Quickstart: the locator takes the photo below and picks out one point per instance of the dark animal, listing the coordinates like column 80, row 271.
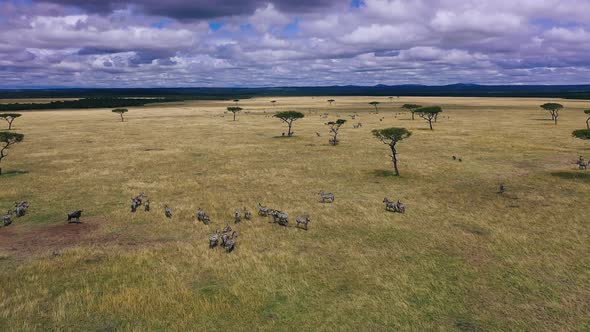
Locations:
column 229, row 245
column 280, row 217
column 20, row 208
column 502, row 189
column 237, row 216
column 167, row 211
column 74, row 216
column 203, row 217
column 303, row 220
column 134, row 205
column 263, row 210
column 247, row 214
column 394, row 206
column 146, row 205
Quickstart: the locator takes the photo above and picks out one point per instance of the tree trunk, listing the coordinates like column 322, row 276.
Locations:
column 10, row 124
column 122, row 120
column 555, row 116
column 289, row 131
column 588, row 123
column 412, row 115
column 430, row 123
column 234, row 116
column 394, row 159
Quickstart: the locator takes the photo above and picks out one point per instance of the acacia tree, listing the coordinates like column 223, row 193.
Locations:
column 375, row 103
column 411, row 108
column 289, row 117
column 390, row 137
column 554, row 109
column 331, row 101
column 429, row 113
column 334, row 128
column 273, row 102
column 8, row 139
column 9, row 117
column 121, row 111
column 587, row 112
column 236, row 101
column 235, row 110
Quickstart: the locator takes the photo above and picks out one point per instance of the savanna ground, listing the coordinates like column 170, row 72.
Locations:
column 462, row 257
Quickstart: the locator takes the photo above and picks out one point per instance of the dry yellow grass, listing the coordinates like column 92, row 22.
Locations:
column 461, row 258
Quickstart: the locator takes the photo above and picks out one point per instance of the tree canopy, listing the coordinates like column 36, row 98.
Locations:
column 412, row 108
column 552, row 106
column 289, row 117
column 393, row 134
column 6, row 140
column 429, row 113
column 581, row 133
column 9, row 117
column 120, row 110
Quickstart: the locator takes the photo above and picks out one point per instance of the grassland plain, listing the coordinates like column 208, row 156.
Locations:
column 462, row 257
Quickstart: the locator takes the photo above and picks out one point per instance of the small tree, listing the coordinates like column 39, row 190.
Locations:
column 391, row 136
column 331, row 101
column 273, row 102
column 375, row 103
column 429, row 113
column 9, row 117
column 412, row 108
column 236, row 101
column 334, row 128
column 8, row 139
column 289, row 117
column 587, row 112
column 554, row 109
column 235, row 110
column 121, row 111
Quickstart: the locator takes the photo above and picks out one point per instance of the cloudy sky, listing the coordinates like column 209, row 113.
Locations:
column 151, row 43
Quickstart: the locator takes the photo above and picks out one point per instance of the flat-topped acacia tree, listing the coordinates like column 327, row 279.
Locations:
column 289, row 117
column 587, row 112
column 411, row 108
column 121, row 112
column 429, row 113
column 334, row 128
column 235, row 110
column 390, row 137
column 7, row 139
column 553, row 109
column 330, row 101
column 9, row 117
column 374, row 104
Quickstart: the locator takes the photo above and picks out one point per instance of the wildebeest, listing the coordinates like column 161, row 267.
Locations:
column 74, row 216
column 303, row 220
column 326, row 197
column 167, row 211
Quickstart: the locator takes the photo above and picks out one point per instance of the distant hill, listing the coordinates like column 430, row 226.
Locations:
column 453, row 90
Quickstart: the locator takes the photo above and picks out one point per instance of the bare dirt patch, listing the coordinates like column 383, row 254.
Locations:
column 25, row 239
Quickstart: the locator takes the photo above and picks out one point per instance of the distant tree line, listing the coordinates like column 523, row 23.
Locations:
column 85, row 103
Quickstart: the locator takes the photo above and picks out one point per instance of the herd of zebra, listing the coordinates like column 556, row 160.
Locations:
column 227, row 236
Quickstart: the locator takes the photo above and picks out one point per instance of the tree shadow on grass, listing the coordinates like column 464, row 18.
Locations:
column 579, row 175
column 13, row 173
column 285, row 137
column 384, row 173
column 543, row 120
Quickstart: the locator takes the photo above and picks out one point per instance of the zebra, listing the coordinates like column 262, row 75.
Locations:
column 226, row 229
column 7, row 219
column 134, row 204
column 167, row 211
column 280, row 217
column 214, row 239
column 202, row 216
column 21, row 208
column 582, row 165
column 146, row 205
column 389, row 204
column 74, row 216
column 394, row 206
column 229, row 245
column 326, row 197
column 303, row 220
column 263, row 210
column 237, row 216
column 247, row 214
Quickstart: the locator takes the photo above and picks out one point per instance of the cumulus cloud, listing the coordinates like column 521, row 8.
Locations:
column 284, row 42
